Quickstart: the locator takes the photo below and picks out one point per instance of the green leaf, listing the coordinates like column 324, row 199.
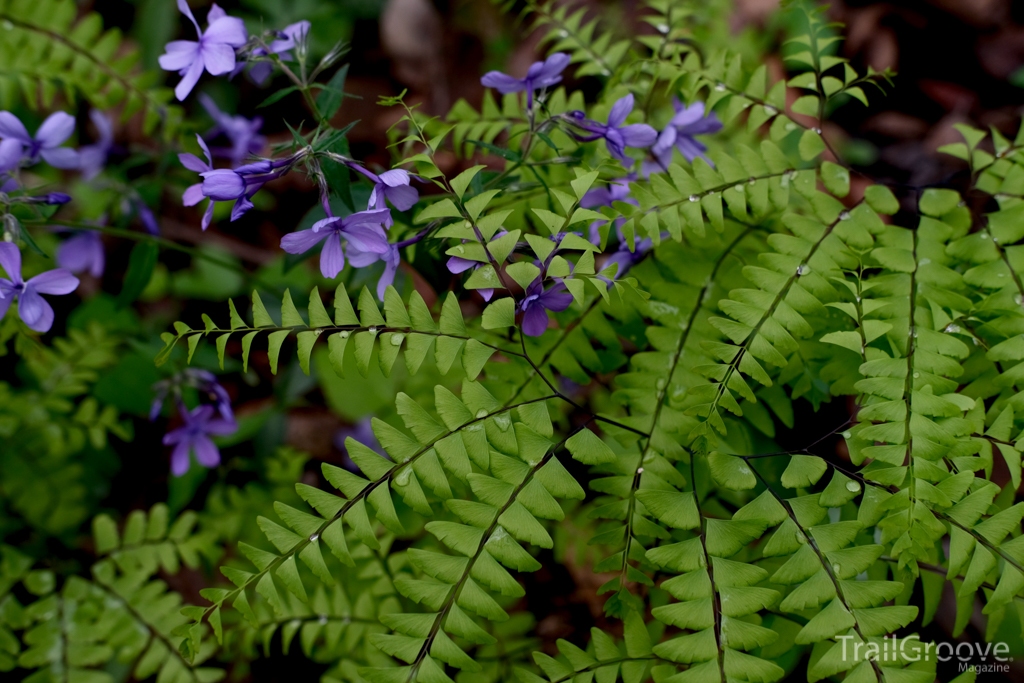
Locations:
column 141, row 263
column 589, row 449
column 499, row 314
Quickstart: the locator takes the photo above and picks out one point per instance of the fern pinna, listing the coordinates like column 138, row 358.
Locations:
column 623, row 343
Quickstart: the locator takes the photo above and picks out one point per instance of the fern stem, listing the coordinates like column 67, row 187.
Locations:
column 457, row 588
column 825, row 564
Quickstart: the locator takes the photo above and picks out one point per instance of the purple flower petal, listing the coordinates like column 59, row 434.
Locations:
column 219, row 58
column 403, row 197
column 10, row 259
column 11, row 153
column 193, row 163
column 191, row 77
column 535, row 321
column 34, row 310
column 82, row 252
column 57, row 128
column 179, row 458
column 184, row 9
column 60, row 157
column 223, row 185
column 638, row 135
column 228, row 31
column 180, row 55
column 550, row 70
column 193, row 195
column 56, row 281
column 6, row 300
column 394, row 177
column 12, row 128
column 206, row 453
column 503, row 83
column 332, row 258
column 620, row 110
column 302, row 241
column 457, row 264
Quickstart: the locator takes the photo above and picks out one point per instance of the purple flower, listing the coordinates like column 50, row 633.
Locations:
column 362, row 230
column 393, row 186
column 92, row 158
column 18, row 145
column 225, row 184
column 214, row 51
column 360, row 258
column 616, row 136
column 457, row 265
column 687, row 122
column 626, row 259
column 242, row 133
column 203, row 381
column 617, row 191
column 146, row 216
column 538, row 302
column 540, row 75
column 33, row 308
column 50, row 199
column 82, row 252
column 286, row 41
column 194, row 436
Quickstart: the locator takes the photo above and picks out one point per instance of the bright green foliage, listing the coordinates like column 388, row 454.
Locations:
column 49, row 51
column 769, row 281
column 633, row 439
column 56, row 435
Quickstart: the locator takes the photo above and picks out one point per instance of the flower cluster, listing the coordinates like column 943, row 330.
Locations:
column 214, row 418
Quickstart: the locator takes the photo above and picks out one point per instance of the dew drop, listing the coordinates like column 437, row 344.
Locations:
column 639, row 470
column 372, row 330
column 1018, row 299
column 975, row 340
column 852, row 486
column 924, row 262
column 844, row 215
column 313, row 538
column 801, row 538
column 397, row 339
column 803, row 269
column 720, row 87
column 461, row 249
column 953, row 329
column 751, row 181
column 662, row 28
column 771, row 110
column 323, row 619
column 563, row 34
column 660, row 384
column 504, row 421
column 738, row 188
column 836, row 568
column 498, row 534
column 817, row 130
column 403, row 477
column 744, row 470
column 694, row 198
column 917, row 375
column 790, row 126
column 846, row 434
column 345, row 334
column 481, row 413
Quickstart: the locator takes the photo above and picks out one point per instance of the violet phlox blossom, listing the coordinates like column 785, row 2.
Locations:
column 625, row 258
column 679, row 134
column 616, row 135
column 92, row 158
column 392, row 186
column 286, row 40
column 363, row 231
column 203, row 381
column 33, row 308
column 194, row 437
column 539, row 75
column 457, row 265
column 538, row 301
column 225, row 184
column 242, row 133
column 82, row 253
column 617, row 191
column 214, row 51
column 16, row 145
